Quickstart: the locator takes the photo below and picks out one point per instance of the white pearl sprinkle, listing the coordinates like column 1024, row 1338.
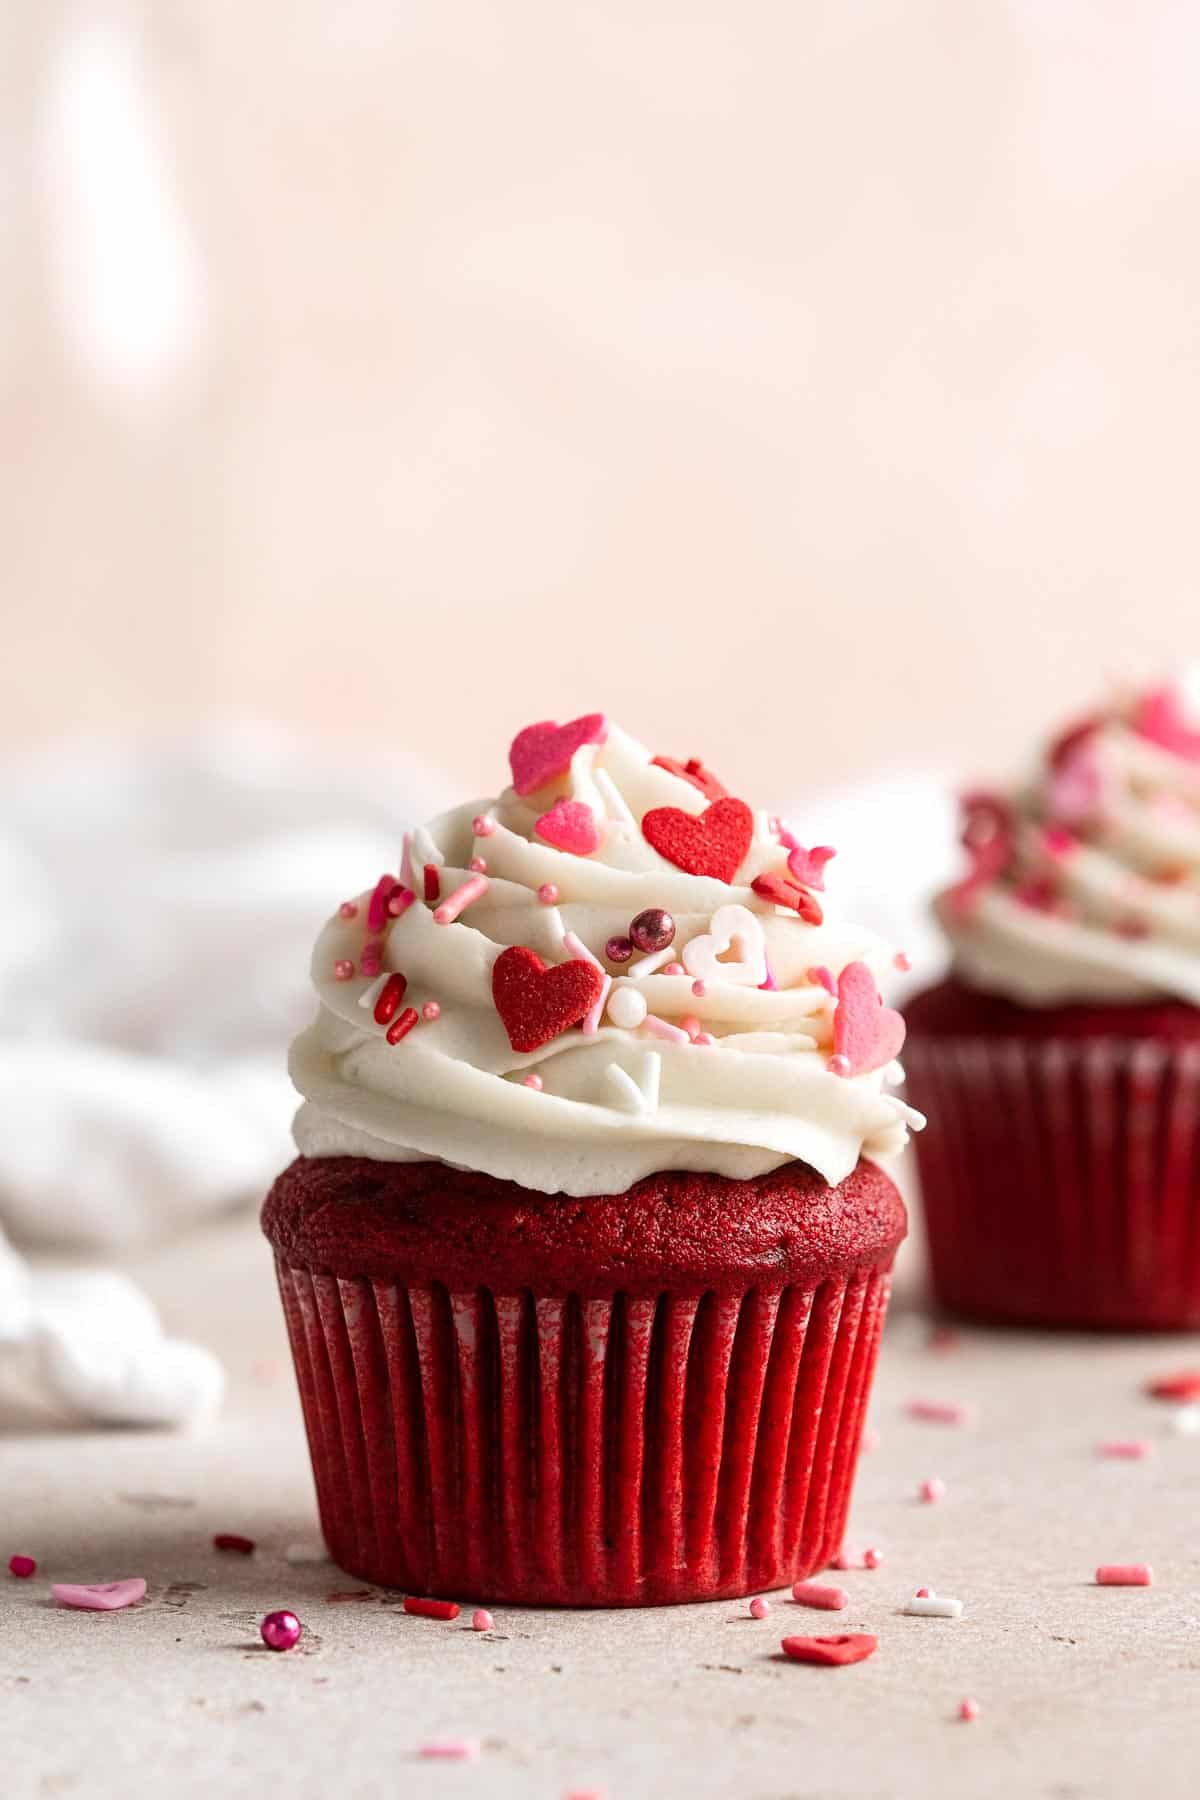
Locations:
column 626, row 1007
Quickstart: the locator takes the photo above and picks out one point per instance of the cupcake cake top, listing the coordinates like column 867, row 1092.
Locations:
column 1084, row 882
column 614, row 968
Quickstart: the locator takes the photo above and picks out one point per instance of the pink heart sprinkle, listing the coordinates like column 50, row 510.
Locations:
column 865, row 1031
column 808, row 866
column 570, row 825
column 103, row 1596
column 544, row 750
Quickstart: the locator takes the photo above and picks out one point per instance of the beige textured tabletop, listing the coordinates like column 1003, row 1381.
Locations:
column 1085, row 1692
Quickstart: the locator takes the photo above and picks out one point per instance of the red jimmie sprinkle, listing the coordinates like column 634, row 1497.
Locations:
column 230, row 1540
column 433, row 883
column 852, row 1647
column 430, row 1609
column 400, row 1028
column 391, row 994
column 1125, row 1575
column 1184, row 1384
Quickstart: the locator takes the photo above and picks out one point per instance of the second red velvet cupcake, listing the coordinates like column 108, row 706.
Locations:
column 583, row 1260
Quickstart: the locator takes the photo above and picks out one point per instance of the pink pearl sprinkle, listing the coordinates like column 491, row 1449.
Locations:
column 839, row 1064
column 1125, row 1575
column 933, row 1489
column 548, row 893
column 816, row 1593
column 872, row 1558
column 482, row 1620
column 343, row 970
column 674, row 968
column 968, row 1710
column 533, row 1081
column 478, row 864
column 431, row 1010
column 923, row 1594
column 483, row 825
column 348, row 909
column 280, row 1630
column 759, row 1608
column 699, row 988
column 1128, row 1449
column 902, row 961
column 22, row 1567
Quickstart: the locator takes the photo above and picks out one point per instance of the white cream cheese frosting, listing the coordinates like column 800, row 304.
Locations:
column 1085, row 880
column 722, row 1052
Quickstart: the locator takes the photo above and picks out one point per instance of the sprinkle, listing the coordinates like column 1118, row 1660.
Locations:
column 968, row 1711
column 348, row 909
column 548, row 893
column 653, row 929
column 816, row 1593
column 839, row 1065
column 768, row 984
column 781, row 890
column 343, row 970
column 808, row 866
column 704, row 1040
column 390, row 996
column 570, row 826
column 22, row 1567
column 1126, row 1449
column 691, row 1024
column 1125, row 1575
column 932, row 1489
column 1185, row 1421
column 649, row 965
column 659, row 1028
column 482, row 1620
column 636, row 1095
column 1183, row 1384
column 851, row 1647
column 103, row 1596
column 759, row 1608
column 432, row 883
column 934, row 1606
column 231, row 1540
column 371, row 958
column 377, row 906
column 820, row 976
column 430, row 1609
column 902, row 961
column 483, row 825
column 281, row 1630
column 431, row 1011
column 699, row 988
column 370, row 995
column 938, row 1412
column 451, row 1750
column 400, row 1028
column 924, row 1593
column 535, row 1082
column 674, row 968
column 459, row 900
column 872, row 1558
column 478, row 865
column 626, row 1007
column 576, row 947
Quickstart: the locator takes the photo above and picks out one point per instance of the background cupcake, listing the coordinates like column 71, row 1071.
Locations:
column 585, row 1258
column 1061, row 1059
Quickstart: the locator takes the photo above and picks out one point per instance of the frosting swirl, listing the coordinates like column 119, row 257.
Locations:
column 728, row 1050
column 1084, row 884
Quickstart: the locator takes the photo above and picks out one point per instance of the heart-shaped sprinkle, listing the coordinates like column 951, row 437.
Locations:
column 849, row 1647
column 102, row 1596
column 733, row 928
column 808, row 866
column 570, row 825
column 538, row 1003
column 782, row 890
column 865, row 1031
column 1161, row 717
column 693, row 770
column 540, row 752
column 714, row 844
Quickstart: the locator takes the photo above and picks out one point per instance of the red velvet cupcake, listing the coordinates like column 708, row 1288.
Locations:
column 585, row 1257
column 1061, row 1061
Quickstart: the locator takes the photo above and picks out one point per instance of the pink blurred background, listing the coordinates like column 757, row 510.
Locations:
column 813, row 385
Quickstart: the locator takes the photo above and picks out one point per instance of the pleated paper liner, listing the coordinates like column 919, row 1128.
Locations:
column 1061, row 1179
column 582, row 1452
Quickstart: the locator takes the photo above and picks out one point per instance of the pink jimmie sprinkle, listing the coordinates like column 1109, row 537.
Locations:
column 102, row 1596
column 816, row 1593
column 372, row 957
column 759, row 1608
column 699, row 988
column 548, row 893
column 483, row 825
column 1125, row 1575
column 482, row 1620
column 348, row 909
column 933, row 1489
column 691, row 1024
column 431, row 1011
column 478, row 865
column 1127, row 1449
column 923, row 1594
column 451, row 1750
column 938, row 1412
column 399, row 901
column 377, row 905
column 968, row 1711
column 343, row 970
column 22, row 1567
column 460, row 899
column 281, row 1630
column 535, row 1082
column 872, row 1558
column 704, row 1040
column 659, row 1028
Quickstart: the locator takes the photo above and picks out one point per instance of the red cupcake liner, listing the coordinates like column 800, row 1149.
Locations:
column 577, row 1451
column 1061, row 1179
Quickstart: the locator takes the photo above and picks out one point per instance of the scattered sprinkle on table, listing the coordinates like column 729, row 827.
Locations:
column 1181, row 1384
column 281, row 1630
column 451, row 1749
column 430, row 1609
column 101, row 1596
column 872, row 1558
column 1124, row 1575
column 759, row 1607
column 1185, row 1421
column 968, row 1710
column 834, row 1652
column 938, row 1412
column 231, row 1540
column 482, row 1620
column 934, row 1606
column 1125, row 1449
column 815, row 1593
column 22, row 1567
column 932, row 1489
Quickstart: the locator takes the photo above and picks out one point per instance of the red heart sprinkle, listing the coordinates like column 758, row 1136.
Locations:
column 865, row 1031
column 781, row 890
column 693, row 770
column 544, row 750
column 538, row 1003
column 713, row 844
column 850, row 1647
